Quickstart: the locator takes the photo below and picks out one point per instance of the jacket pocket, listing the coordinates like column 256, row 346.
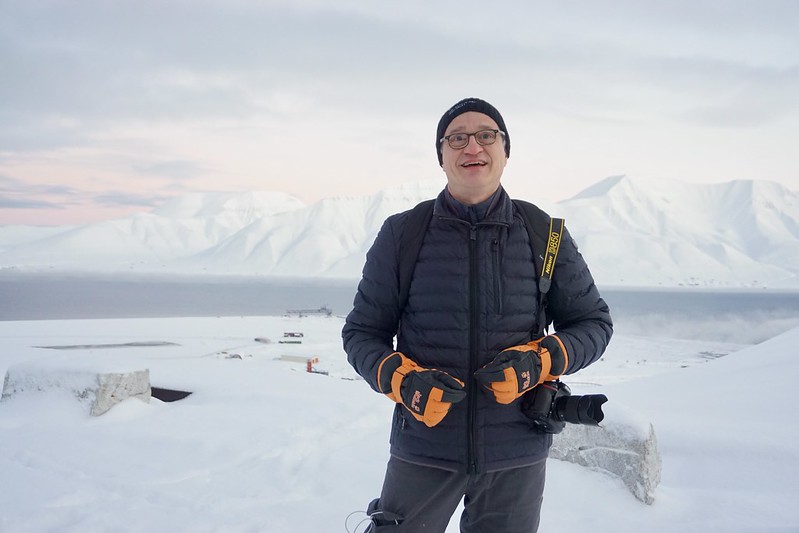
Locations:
column 398, row 424
column 496, row 253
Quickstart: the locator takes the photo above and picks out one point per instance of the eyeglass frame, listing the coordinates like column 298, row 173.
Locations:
column 494, row 131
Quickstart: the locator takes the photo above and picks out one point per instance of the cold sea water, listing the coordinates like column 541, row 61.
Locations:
column 740, row 316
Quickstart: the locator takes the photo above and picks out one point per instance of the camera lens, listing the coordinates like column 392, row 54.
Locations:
column 585, row 409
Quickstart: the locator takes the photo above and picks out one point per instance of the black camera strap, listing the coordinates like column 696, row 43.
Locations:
column 553, row 245
column 544, row 264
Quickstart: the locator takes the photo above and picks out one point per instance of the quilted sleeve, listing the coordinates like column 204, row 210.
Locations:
column 580, row 316
column 370, row 327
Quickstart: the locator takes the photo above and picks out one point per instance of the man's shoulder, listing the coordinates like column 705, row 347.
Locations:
column 419, row 211
column 424, row 204
column 410, row 222
column 532, row 211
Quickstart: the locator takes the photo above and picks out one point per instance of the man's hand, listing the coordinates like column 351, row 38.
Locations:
column 518, row 369
column 427, row 393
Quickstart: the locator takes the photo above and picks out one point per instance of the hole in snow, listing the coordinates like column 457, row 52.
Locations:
column 168, row 395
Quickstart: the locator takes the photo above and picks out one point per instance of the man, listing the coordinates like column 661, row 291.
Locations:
column 466, row 351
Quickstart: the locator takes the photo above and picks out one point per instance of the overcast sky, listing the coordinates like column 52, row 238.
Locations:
column 110, row 107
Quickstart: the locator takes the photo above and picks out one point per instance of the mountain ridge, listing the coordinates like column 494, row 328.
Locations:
column 632, row 231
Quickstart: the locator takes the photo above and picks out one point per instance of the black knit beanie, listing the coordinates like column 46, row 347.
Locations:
column 464, row 106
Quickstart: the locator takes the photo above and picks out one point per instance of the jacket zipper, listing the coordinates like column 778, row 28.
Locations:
column 472, row 466
column 473, row 323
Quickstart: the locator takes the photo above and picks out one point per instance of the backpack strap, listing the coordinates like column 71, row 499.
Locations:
column 545, row 253
column 410, row 244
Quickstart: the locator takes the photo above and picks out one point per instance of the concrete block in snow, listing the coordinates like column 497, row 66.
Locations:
column 98, row 387
column 625, row 446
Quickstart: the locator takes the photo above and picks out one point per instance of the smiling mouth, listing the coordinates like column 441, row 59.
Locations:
column 474, row 164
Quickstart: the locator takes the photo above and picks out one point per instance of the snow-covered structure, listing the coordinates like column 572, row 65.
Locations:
column 99, row 386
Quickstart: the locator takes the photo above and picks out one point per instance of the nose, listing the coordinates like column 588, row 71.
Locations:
column 473, row 147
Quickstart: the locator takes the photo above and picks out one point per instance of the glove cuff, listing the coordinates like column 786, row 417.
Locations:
column 559, row 359
column 390, row 373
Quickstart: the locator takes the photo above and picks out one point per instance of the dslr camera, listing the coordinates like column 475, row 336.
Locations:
column 550, row 406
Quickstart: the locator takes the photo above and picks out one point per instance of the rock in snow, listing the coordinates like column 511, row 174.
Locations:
column 98, row 389
column 624, row 446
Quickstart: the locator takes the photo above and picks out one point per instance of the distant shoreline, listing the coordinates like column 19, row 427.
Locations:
column 745, row 316
column 13, row 273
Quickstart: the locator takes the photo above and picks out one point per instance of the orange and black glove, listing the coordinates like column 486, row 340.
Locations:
column 426, row 393
column 518, row 369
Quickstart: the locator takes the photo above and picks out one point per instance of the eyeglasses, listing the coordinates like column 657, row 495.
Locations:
column 456, row 141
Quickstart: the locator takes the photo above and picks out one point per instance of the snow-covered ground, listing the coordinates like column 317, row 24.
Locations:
column 262, row 445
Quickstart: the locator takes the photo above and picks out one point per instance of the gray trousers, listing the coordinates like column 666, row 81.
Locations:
column 422, row 498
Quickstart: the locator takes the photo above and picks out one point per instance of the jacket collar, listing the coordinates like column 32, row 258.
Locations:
column 496, row 209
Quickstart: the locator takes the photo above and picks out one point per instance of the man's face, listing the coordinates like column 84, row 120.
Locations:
column 473, row 172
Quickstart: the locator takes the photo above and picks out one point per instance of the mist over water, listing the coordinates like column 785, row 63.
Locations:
column 745, row 317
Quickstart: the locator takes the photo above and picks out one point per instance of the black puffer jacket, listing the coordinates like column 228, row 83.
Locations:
column 473, row 293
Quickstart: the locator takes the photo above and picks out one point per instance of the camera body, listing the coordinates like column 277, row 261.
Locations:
column 550, row 406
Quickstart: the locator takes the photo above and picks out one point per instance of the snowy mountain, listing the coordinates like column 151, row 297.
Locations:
column 182, row 227
column 632, row 231
column 729, row 234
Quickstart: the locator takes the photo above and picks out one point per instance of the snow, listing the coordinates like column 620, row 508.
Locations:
column 262, row 445
column 637, row 232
